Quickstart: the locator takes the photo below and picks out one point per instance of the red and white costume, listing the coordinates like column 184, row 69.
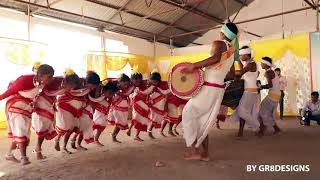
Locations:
column 175, row 107
column 43, row 113
column 22, row 93
column 100, row 115
column 158, row 100
column 119, row 109
column 140, row 107
column 85, row 121
column 69, row 109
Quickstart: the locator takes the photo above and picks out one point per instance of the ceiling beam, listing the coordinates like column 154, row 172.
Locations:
column 81, row 16
column 119, row 10
column 49, row 6
column 241, row 2
column 310, row 4
column 234, row 18
column 194, row 11
column 98, row 20
column 175, row 22
column 246, row 21
column 139, row 15
column 198, row 12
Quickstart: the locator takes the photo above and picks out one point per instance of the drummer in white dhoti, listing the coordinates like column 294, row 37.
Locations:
column 201, row 111
column 248, row 108
column 268, row 107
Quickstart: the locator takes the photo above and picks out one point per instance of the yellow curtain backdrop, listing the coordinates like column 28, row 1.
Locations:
column 101, row 62
column 276, row 48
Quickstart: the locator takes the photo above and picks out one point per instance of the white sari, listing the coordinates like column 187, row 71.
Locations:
column 200, row 112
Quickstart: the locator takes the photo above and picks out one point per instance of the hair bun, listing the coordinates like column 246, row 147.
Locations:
column 69, row 72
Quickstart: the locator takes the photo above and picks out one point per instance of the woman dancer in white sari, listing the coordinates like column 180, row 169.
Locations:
column 201, row 111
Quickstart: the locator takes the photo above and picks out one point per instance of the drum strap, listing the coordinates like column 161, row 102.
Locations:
column 213, row 85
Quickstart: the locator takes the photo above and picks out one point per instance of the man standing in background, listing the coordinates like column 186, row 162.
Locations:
column 283, row 85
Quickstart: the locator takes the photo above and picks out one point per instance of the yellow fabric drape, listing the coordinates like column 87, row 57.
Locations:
column 3, row 123
column 101, row 62
column 23, row 53
column 115, row 63
column 275, row 48
column 18, row 54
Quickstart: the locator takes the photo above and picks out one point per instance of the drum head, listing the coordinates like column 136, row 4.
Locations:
column 183, row 85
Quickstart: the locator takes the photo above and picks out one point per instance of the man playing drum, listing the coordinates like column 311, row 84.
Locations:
column 248, row 108
column 201, row 111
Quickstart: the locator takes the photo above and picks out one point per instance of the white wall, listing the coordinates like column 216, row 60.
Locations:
column 135, row 45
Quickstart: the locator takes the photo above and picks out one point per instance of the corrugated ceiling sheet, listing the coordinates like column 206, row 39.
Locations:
column 126, row 18
column 118, row 3
column 147, row 25
column 98, row 11
column 198, row 22
column 157, row 10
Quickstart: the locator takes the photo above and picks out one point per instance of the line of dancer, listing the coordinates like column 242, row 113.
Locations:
column 61, row 107
column 81, row 108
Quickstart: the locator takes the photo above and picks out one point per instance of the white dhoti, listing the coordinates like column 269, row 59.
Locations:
column 65, row 121
column 43, row 118
column 200, row 114
column 140, row 115
column 268, row 112
column 119, row 114
column 43, row 126
column 85, row 127
column 157, row 109
column 99, row 120
column 19, row 122
column 248, row 110
column 20, row 127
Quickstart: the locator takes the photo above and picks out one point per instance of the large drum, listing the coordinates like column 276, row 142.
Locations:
column 185, row 86
column 233, row 93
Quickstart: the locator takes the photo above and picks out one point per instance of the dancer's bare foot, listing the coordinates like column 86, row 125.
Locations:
column 129, row 133
column 25, row 161
column 73, row 144
column 192, row 156
column 65, row 150
column 151, row 135
column 81, row 148
column 176, row 132
column 114, row 139
column 163, row 134
column 12, row 158
column 277, row 131
column 240, row 134
column 57, row 145
column 205, row 158
column 98, row 143
column 137, row 138
column 39, row 155
column 171, row 133
column 218, row 125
